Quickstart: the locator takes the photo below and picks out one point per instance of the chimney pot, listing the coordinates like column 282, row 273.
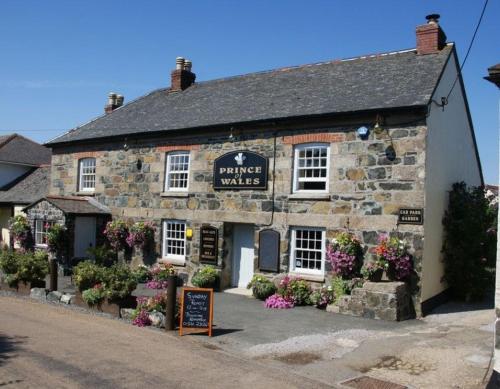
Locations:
column 114, row 101
column 188, row 65
column 430, row 37
column 179, row 63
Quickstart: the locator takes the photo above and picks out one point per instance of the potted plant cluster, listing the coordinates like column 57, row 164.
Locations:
column 261, row 287
column 24, row 270
column 105, row 289
column 393, row 256
column 152, row 311
column 291, row 292
column 141, row 235
column 116, row 232
column 345, row 255
column 206, row 277
column 20, row 230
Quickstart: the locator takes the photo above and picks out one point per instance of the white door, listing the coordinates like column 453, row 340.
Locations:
column 84, row 235
column 243, row 254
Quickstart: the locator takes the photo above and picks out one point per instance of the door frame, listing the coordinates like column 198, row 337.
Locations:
column 75, row 237
column 233, row 253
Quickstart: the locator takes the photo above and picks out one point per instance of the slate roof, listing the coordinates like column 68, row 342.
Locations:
column 400, row 79
column 75, row 205
column 27, row 188
column 16, row 148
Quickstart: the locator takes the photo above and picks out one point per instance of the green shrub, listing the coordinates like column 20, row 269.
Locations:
column 9, row 263
column 206, row 277
column 94, row 296
column 87, row 274
column 141, row 274
column 261, row 287
column 295, row 289
column 102, row 255
column 119, row 282
column 33, row 266
column 339, row 287
column 469, row 243
column 322, row 297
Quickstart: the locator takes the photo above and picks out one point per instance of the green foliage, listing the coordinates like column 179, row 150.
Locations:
column 119, row 282
column 469, row 243
column 206, row 277
column 94, row 296
column 141, row 274
column 339, row 287
column 25, row 266
column 57, row 239
column 296, row 290
column 9, row 261
column 103, row 255
column 261, row 287
column 87, row 274
column 20, row 230
column 322, row 297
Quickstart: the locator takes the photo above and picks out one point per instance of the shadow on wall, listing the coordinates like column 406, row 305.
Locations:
column 459, row 306
column 8, row 346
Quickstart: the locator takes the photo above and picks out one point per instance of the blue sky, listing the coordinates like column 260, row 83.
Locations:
column 59, row 59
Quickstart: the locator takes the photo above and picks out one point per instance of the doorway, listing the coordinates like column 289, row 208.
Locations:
column 85, row 231
column 243, row 255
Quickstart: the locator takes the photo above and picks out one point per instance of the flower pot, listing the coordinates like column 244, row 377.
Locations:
column 376, row 276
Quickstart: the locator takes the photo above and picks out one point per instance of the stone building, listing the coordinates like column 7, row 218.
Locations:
column 256, row 173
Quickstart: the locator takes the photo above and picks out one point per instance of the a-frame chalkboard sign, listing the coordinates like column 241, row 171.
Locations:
column 197, row 310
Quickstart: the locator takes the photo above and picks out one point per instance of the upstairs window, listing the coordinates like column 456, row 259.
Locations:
column 177, row 172
column 311, row 166
column 86, row 167
column 41, row 228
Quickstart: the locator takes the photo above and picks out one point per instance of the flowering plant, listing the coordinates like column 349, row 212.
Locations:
column 295, row 289
column 261, row 287
column 393, row 252
column 94, row 295
column 372, row 269
column 116, row 232
column 141, row 234
column 21, row 231
column 142, row 319
column 158, row 276
column 323, row 297
column 345, row 254
column 147, row 305
column 278, row 302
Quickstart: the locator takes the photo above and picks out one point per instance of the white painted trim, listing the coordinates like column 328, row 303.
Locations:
column 306, row 272
column 167, row 171
column 174, row 259
column 295, row 168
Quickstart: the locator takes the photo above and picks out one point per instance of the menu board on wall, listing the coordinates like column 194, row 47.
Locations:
column 209, row 239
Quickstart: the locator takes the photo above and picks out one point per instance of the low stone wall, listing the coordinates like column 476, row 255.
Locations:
column 379, row 300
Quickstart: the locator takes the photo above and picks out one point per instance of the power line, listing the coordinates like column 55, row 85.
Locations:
column 469, row 49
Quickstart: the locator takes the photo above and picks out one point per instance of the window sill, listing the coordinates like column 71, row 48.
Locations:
column 177, row 262
column 309, row 277
column 309, row 196
column 174, row 194
column 83, row 193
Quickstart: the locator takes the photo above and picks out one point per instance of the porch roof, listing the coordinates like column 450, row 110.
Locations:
column 75, row 205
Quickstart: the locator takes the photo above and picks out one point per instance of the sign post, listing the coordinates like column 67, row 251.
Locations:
column 196, row 310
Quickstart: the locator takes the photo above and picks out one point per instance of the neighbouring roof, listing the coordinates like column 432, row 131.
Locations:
column 399, row 79
column 27, row 188
column 17, row 149
column 75, row 205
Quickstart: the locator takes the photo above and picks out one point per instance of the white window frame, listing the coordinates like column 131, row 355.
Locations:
column 169, row 171
column 81, row 174
column 293, row 247
column 296, row 178
column 173, row 258
column 42, row 232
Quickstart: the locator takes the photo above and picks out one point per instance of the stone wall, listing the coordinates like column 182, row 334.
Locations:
column 366, row 188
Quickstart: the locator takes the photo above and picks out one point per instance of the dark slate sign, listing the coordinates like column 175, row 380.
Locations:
column 269, row 251
column 411, row 216
column 209, row 238
column 196, row 310
column 240, row 170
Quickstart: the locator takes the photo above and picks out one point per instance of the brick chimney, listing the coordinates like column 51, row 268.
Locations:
column 430, row 37
column 182, row 77
column 114, row 101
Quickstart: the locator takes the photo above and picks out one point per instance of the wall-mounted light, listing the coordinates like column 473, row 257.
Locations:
column 231, row 136
column 189, row 233
column 363, row 132
column 139, row 164
column 377, row 128
column 125, row 145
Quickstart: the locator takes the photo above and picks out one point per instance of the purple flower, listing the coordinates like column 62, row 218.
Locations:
column 278, row 302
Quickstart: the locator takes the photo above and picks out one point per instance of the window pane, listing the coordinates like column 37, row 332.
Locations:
column 308, row 253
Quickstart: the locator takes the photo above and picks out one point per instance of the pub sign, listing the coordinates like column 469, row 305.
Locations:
column 209, row 239
column 240, row 170
column 411, row 216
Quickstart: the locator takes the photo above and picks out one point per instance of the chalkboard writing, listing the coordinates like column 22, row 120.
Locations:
column 209, row 239
column 196, row 310
column 269, row 250
column 411, row 216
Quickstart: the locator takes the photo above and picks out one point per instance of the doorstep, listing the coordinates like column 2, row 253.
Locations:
column 239, row 291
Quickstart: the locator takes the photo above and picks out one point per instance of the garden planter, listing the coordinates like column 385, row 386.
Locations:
column 111, row 307
column 22, row 288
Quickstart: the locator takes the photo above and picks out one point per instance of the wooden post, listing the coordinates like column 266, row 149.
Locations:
column 53, row 274
column 171, row 302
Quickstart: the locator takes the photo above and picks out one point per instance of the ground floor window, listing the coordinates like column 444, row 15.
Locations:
column 308, row 250
column 41, row 228
column 174, row 240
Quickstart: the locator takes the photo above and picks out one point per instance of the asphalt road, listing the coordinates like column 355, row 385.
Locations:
column 47, row 346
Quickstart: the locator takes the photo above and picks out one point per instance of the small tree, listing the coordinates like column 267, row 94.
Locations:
column 469, row 243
